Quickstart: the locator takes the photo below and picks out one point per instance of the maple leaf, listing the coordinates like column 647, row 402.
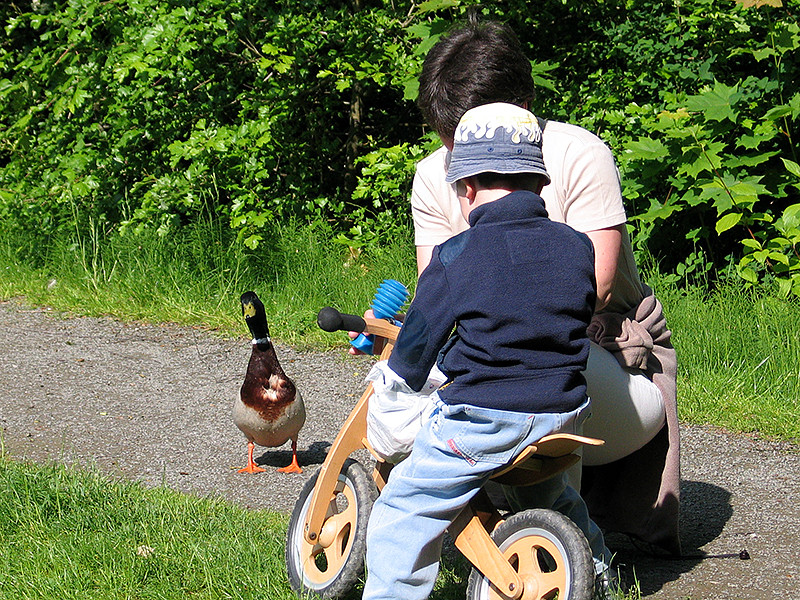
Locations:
column 716, row 104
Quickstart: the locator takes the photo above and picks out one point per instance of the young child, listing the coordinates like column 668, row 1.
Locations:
column 502, row 309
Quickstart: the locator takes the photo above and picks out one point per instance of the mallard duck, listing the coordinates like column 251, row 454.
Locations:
column 269, row 409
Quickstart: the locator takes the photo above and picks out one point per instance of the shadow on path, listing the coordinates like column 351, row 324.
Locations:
column 705, row 510
column 280, row 457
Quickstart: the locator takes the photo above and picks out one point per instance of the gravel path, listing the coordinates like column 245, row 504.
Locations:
column 152, row 403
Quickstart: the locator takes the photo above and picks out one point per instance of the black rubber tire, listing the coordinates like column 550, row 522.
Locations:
column 530, row 539
column 308, row 565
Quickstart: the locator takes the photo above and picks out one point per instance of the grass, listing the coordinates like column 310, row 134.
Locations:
column 739, row 359
column 72, row 533
column 196, row 276
column 69, row 533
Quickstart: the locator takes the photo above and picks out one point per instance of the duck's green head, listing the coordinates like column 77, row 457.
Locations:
column 254, row 315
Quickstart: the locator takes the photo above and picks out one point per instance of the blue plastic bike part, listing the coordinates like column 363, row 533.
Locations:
column 388, row 300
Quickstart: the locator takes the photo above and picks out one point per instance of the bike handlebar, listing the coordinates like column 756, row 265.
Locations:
column 329, row 319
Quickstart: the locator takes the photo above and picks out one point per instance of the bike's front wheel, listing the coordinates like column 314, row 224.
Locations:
column 548, row 551
column 332, row 566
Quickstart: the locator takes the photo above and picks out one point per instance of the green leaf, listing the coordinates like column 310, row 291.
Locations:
column 748, row 160
column 5, row 86
column 748, row 274
column 656, row 213
column 751, row 243
column 694, row 234
column 747, row 191
column 791, row 166
column 646, row 148
column 541, row 74
column 717, row 103
column 751, row 142
column 779, row 242
column 22, row 123
column 410, row 88
column 763, row 53
column 784, row 287
column 692, row 198
column 252, row 241
column 787, row 38
column 778, row 112
column 728, row 191
column 779, row 257
column 706, row 157
column 420, row 30
column 429, row 33
column 434, row 5
column 728, row 221
column 795, row 104
column 761, row 255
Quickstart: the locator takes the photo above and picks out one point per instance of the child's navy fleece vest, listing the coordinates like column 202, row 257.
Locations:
column 516, row 291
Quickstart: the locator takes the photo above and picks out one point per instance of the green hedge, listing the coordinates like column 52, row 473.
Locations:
column 119, row 116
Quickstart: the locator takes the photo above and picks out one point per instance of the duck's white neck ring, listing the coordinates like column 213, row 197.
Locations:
column 264, row 340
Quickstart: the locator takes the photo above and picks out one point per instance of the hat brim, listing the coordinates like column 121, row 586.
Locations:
column 474, row 163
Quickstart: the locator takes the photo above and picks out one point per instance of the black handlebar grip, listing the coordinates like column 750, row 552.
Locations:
column 330, row 319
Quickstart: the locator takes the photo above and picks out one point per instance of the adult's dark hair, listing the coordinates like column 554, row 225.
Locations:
column 475, row 63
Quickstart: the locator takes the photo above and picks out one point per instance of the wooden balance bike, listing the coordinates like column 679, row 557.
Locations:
column 531, row 555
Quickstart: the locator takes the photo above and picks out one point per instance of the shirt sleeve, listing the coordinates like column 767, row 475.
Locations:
column 592, row 194
column 426, row 327
column 430, row 223
column 434, row 203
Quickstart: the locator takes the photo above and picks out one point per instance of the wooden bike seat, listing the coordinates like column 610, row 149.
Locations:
column 547, row 457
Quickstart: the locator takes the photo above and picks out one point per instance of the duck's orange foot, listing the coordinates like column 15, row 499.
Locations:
column 254, row 468
column 292, row 468
column 251, row 467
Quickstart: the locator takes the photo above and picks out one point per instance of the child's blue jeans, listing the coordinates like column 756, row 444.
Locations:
column 454, row 454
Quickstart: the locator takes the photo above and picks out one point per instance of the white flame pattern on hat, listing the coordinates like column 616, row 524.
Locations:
column 484, row 121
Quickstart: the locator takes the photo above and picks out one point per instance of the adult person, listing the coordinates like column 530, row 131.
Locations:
column 631, row 484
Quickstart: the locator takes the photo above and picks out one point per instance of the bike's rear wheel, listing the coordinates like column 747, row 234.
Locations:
column 548, row 551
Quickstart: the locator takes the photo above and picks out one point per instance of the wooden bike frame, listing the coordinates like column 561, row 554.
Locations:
column 472, row 528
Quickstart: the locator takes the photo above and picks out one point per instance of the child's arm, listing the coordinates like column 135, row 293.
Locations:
column 426, row 327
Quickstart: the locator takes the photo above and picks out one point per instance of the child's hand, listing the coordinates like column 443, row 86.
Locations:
column 379, row 341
